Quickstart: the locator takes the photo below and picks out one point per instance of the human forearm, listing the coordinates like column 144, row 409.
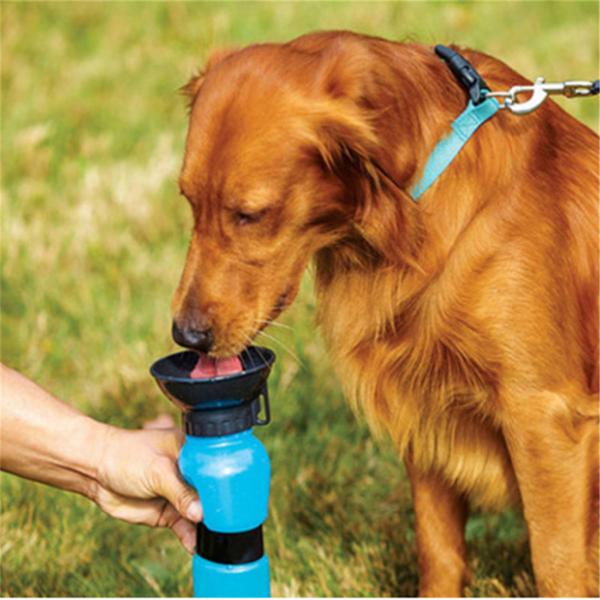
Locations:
column 44, row 439
column 130, row 474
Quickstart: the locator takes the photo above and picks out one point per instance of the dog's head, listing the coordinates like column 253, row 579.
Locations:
column 280, row 163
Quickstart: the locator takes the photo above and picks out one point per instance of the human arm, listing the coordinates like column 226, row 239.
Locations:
column 131, row 474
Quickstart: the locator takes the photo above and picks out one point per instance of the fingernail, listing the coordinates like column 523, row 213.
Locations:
column 194, row 511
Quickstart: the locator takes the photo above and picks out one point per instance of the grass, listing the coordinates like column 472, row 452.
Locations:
column 94, row 236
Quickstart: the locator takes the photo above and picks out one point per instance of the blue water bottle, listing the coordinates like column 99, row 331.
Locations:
column 228, row 466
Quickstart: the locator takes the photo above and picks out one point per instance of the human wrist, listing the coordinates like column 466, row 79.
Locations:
column 106, row 445
column 89, row 439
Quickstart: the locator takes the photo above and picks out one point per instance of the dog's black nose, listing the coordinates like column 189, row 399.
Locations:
column 192, row 338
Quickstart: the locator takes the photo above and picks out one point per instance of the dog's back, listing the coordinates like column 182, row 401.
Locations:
column 571, row 180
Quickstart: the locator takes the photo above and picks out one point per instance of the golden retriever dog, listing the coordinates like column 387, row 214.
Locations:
column 464, row 326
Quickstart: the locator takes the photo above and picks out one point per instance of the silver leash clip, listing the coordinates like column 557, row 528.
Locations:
column 539, row 91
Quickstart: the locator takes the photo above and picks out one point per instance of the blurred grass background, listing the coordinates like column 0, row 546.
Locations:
column 93, row 240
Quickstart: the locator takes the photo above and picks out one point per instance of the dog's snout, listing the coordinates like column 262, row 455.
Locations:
column 189, row 337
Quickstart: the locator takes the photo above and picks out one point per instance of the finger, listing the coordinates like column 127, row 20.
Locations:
column 156, row 512
column 186, row 532
column 169, row 485
column 169, row 441
column 163, row 421
column 132, row 510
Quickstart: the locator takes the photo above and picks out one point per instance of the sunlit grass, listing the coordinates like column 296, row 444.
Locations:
column 93, row 240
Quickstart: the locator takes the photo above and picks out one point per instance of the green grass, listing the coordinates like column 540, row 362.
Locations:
column 94, row 236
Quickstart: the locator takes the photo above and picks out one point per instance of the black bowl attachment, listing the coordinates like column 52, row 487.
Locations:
column 218, row 405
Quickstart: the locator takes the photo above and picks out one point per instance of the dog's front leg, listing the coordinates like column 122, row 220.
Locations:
column 554, row 450
column 440, row 516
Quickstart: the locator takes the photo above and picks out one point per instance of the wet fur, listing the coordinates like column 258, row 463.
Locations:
column 466, row 326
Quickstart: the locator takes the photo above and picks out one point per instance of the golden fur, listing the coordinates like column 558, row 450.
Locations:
column 464, row 326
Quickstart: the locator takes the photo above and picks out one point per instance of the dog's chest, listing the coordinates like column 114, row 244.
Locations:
column 432, row 394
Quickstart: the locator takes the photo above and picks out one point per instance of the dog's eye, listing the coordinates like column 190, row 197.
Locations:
column 249, row 218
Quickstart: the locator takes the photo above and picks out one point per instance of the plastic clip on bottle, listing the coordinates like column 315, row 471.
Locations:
column 228, row 465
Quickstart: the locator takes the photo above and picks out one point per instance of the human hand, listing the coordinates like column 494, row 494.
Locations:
column 131, row 474
column 138, row 480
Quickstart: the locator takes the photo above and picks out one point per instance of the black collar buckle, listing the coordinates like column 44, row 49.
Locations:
column 464, row 72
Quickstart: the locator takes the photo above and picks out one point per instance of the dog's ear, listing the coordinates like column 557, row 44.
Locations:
column 349, row 149
column 352, row 146
column 192, row 87
column 345, row 139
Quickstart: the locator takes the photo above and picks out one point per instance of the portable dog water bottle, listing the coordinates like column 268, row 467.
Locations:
column 228, row 465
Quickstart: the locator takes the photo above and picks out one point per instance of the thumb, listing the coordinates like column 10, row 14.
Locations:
column 183, row 497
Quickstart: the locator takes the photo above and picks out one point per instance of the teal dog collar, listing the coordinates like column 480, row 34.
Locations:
column 463, row 127
column 479, row 110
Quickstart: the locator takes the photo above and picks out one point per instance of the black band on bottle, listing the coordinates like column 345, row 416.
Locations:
column 230, row 548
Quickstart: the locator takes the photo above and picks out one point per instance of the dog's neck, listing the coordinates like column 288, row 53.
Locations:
column 409, row 243
column 413, row 102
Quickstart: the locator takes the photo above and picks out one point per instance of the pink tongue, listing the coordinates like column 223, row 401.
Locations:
column 211, row 367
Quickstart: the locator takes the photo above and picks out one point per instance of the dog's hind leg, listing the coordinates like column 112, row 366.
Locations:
column 553, row 443
column 440, row 516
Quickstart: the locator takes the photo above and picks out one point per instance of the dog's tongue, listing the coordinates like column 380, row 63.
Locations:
column 211, row 367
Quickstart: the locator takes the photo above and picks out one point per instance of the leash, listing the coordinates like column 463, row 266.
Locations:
column 482, row 105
